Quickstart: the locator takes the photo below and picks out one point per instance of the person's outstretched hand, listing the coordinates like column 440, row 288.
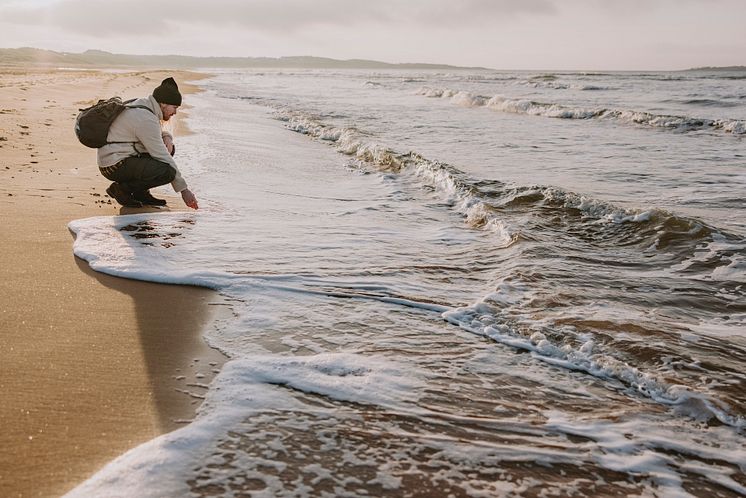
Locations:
column 189, row 198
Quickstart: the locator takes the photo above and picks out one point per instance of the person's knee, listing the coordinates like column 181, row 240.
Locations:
column 148, row 172
column 166, row 173
column 169, row 175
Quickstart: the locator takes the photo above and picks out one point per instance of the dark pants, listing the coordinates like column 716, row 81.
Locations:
column 141, row 173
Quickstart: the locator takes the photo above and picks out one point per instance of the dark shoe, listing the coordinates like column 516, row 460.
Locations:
column 123, row 197
column 148, row 199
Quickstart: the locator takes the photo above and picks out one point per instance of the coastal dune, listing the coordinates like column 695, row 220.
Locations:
column 90, row 365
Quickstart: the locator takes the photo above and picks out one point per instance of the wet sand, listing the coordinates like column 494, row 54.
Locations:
column 90, row 365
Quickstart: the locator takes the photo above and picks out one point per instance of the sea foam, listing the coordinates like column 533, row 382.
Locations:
column 247, row 387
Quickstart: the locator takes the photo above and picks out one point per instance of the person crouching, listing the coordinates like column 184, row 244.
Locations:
column 139, row 154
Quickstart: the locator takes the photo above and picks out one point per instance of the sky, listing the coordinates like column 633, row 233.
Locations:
column 499, row 34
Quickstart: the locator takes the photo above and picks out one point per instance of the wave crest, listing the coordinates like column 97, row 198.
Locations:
column 553, row 110
column 487, row 204
column 490, row 317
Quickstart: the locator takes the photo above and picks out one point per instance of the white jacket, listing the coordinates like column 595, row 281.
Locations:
column 141, row 129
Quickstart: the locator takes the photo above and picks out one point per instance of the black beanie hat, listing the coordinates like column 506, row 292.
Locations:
column 167, row 92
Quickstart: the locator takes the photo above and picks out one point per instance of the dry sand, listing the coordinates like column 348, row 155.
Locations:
column 90, row 365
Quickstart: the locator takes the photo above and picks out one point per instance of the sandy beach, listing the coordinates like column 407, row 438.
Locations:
column 90, row 365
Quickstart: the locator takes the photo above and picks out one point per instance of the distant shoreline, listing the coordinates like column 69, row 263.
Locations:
column 98, row 58
column 26, row 56
column 718, row 68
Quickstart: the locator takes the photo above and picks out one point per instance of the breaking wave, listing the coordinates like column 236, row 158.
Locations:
column 557, row 85
column 491, row 317
column 485, row 204
column 465, row 199
column 702, row 102
column 550, row 110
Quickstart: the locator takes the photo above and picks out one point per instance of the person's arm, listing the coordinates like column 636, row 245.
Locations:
column 186, row 194
column 148, row 133
column 168, row 141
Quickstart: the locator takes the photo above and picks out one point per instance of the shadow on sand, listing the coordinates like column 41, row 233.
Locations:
column 170, row 321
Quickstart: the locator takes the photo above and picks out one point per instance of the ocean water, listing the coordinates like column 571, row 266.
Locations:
column 473, row 283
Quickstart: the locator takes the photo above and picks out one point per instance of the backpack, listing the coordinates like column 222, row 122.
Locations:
column 93, row 123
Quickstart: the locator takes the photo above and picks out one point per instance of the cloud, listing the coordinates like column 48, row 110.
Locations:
column 587, row 34
column 115, row 17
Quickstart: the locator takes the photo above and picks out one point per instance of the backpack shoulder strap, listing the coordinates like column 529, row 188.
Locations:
column 140, row 107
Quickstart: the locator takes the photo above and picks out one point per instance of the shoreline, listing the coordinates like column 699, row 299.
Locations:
column 91, row 365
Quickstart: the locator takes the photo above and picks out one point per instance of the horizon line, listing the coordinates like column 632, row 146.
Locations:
column 432, row 65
